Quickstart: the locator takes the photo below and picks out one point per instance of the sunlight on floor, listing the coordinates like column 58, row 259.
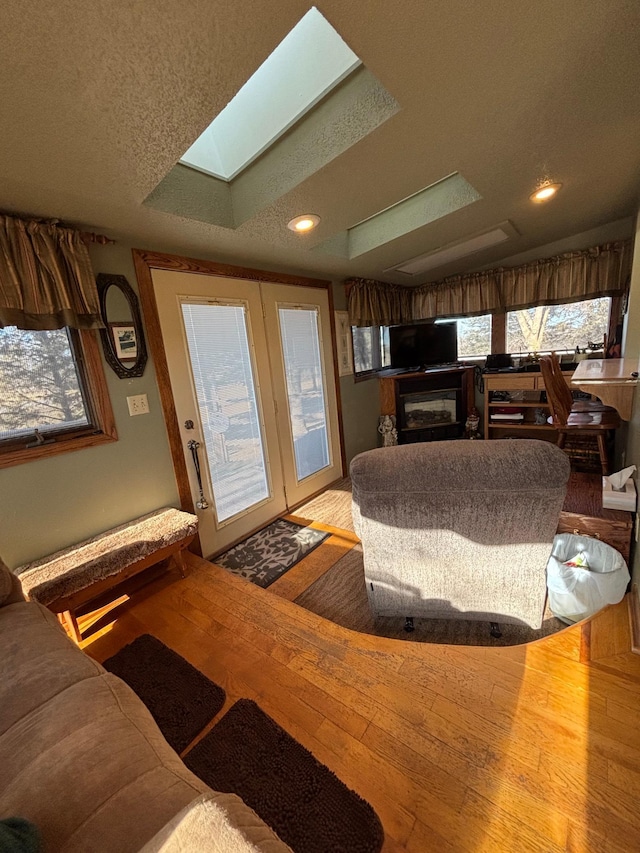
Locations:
column 550, row 715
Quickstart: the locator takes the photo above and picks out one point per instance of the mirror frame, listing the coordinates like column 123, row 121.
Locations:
column 104, row 282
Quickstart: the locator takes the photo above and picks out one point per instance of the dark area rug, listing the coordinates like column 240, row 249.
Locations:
column 340, row 595
column 181, row 699
column 248, row 754
column 266, row 555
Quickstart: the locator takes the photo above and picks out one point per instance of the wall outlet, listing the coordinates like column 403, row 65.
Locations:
column 138, row 405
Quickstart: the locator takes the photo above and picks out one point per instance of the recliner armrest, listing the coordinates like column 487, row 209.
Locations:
column 10, row 586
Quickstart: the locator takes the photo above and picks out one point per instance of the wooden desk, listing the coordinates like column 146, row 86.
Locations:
column 610, row 380
column 532, row 384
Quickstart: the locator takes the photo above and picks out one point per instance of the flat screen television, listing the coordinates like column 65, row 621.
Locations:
column 423, row 344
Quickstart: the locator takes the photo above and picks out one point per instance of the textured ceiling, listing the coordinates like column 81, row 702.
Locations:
column 99, row 100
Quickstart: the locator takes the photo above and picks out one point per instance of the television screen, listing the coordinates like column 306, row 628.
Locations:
column 423, row 344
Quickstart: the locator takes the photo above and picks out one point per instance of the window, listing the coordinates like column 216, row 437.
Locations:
column 474, row 336
column 370, row 348
column 558, row 327
column 53, row 394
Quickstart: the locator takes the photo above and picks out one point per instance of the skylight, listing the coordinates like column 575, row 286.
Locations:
column 307, row 64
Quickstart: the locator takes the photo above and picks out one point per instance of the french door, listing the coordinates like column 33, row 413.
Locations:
column 251, row 370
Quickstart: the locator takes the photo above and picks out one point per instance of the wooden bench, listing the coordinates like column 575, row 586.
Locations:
column 71, row 578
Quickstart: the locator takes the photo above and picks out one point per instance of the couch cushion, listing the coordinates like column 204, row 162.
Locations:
column 90, row 768
column 216, row 823
column 10, row 587
column 38, row 661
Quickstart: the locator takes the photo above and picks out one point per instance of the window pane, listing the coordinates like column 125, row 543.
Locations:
column 364, row 348
column 39, row 383
column 474, row 336
column 558, row 327
column 385, row 360
column 223, row 376
column 370, row 348
column 305, row 388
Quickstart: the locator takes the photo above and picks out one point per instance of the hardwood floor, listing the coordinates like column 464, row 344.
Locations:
column 527, row 748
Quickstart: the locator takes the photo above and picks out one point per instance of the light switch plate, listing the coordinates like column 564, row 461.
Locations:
column 138, row 405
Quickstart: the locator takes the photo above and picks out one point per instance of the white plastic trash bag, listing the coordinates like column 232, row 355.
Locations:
column 576, row 592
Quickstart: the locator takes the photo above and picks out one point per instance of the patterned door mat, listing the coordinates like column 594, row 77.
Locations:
column 266, row 555
column 247, row 753
column 181, row 699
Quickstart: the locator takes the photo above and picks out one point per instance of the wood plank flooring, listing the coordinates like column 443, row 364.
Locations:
column 525, row 748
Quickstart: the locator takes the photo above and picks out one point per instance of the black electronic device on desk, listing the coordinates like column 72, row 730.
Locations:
column 498, row 363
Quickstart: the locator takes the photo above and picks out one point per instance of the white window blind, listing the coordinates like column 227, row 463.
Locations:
column 300, row 337
column 218, row 343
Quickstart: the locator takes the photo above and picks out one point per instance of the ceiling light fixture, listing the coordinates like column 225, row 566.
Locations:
column 304, row 223
column 455, row 251
column 544, row 193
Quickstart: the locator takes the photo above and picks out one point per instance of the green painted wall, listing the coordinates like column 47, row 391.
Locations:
column 360, row 402
column 51, row 503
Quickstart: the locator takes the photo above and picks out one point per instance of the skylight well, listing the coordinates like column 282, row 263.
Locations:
column 308, row 103
column 307, row 64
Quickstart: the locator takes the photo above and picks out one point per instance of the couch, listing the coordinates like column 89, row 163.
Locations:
column 82, row 758
column 459, row 529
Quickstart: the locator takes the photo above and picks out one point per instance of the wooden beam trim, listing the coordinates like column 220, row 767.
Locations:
column 177, row 263
column 156, row 345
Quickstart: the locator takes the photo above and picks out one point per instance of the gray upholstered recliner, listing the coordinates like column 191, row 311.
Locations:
column 459, row 529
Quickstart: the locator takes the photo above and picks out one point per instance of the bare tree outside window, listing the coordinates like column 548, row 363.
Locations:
column 558, row 327
column 370, row 348
column 39, row 383
column 474, row 336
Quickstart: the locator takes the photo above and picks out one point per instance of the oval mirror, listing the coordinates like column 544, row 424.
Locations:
column 123, row 336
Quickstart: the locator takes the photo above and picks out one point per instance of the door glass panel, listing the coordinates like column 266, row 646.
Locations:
column 300, row 337
column 220, row 357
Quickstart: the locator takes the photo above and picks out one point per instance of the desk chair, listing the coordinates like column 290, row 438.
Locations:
column 588, row 419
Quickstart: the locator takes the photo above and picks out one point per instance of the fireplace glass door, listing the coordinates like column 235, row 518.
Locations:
column 430, row 415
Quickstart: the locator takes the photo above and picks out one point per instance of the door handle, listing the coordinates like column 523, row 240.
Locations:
column 193, row 446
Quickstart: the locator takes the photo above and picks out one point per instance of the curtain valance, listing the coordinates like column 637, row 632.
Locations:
column 46, row 279
column 374, row 303
column 458, row 296
column 599, row 271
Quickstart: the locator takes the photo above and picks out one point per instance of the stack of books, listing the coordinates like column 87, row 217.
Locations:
column 507, row 415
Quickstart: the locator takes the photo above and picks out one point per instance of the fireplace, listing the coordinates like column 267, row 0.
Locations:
column 430, row 415
column 428, row 405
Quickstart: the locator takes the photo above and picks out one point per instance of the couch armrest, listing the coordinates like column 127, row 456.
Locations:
column 10, row 587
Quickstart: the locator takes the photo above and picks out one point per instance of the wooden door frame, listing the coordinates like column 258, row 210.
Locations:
column 146, row 261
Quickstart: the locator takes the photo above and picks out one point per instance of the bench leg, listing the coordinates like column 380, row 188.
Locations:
column 180, row 562
column 72, row 624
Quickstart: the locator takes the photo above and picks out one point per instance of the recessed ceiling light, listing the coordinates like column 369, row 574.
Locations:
column 544, row 193
column 304, row 223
